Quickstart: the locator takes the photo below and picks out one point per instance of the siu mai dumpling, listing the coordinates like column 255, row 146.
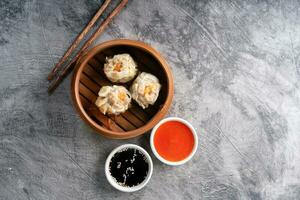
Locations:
column 120, row 69
column 145, row 89
column 113, row 99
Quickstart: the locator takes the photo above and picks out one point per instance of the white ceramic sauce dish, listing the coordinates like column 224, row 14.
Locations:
column 111, row 179
column 174, row 163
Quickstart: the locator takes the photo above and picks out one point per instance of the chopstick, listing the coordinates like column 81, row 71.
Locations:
column 53, row 85
column 77, row 40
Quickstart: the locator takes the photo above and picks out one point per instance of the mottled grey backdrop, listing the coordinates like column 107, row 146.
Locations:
column 236, row 66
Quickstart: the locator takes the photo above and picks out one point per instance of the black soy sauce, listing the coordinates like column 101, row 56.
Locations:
column 129, row 167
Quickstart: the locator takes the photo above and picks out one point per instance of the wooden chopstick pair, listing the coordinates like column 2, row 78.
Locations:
column 69, row 65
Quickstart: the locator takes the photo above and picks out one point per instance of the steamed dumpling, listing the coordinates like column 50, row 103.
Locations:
column 145, row 89
column 120, row 69
column 113, row 99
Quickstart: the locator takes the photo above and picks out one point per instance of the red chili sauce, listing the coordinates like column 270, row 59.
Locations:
column 174, row 141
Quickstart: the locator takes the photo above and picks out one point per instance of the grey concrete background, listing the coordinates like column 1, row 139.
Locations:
column 236, row 66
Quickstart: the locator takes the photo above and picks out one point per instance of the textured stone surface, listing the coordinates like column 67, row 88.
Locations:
column 236, row 66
